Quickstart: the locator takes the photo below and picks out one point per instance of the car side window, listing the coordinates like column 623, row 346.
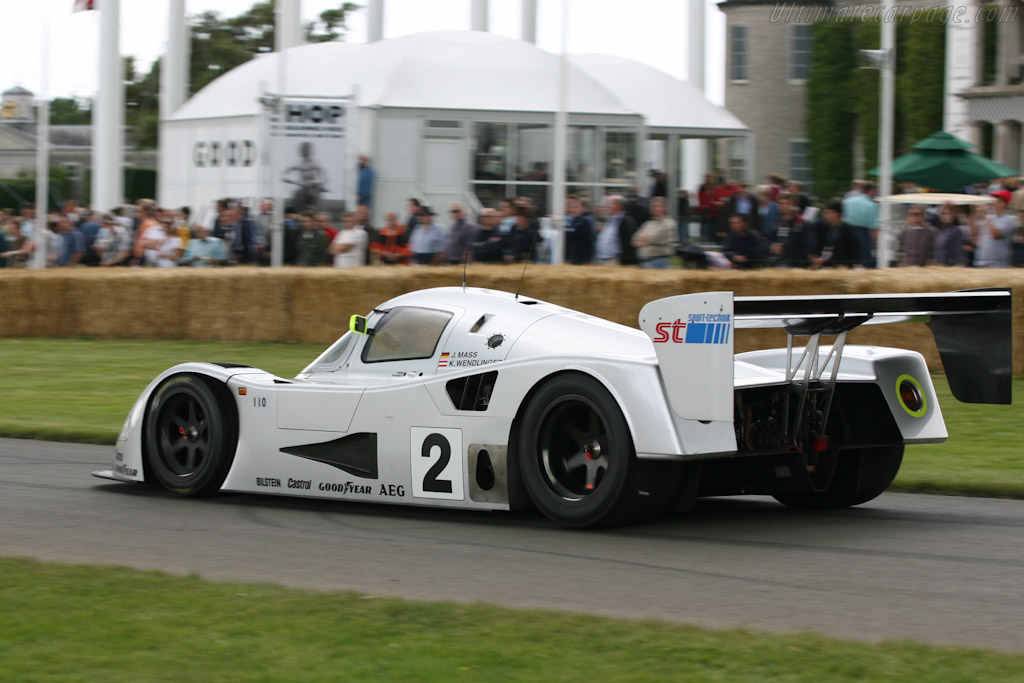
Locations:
column 405, row 333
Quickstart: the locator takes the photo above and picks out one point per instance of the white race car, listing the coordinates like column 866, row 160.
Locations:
column 470, row 398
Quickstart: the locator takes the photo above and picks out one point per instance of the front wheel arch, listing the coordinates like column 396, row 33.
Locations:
column 224, row 405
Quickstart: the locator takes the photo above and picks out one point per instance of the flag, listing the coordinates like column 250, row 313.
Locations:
column 84, row 5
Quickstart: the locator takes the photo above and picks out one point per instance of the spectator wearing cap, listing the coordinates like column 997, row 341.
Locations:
column 427, row 239
column 995, row 235
column 459, row 241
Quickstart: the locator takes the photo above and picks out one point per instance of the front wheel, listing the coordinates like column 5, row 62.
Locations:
column 190, row 435
column 577, row 459
column 860, row 476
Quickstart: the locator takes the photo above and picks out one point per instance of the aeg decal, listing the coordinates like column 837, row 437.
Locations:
column 700, row 328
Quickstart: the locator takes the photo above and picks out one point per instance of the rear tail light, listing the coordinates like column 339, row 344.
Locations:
column 911, row 395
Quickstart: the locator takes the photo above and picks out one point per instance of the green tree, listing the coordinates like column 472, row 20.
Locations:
column 921, row 83
column 831, row 107
column 218, row 44
column 867, row 36
column 70, row 111
column 142, row 103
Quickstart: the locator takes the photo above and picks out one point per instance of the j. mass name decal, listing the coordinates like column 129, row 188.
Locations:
column 463, row 359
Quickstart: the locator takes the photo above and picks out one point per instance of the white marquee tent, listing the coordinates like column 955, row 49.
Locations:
column 445, row 116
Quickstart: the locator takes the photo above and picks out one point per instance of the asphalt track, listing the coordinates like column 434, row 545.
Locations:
column 937, row 569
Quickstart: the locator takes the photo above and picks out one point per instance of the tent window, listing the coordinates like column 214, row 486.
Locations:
column 533, row 151
column 620, row 156
column 490, row 151
column 440, row 123
column 581, row 159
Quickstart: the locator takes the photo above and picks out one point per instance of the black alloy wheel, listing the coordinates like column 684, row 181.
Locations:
column 190, row 435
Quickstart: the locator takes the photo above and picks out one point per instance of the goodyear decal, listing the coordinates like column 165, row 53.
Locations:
column 699, row 328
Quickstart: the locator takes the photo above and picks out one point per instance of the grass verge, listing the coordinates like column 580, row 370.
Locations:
column 81, row 390
column 71, row 623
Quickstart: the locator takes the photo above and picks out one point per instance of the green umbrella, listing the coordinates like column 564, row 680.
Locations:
column 942, row 141
column 942, row 162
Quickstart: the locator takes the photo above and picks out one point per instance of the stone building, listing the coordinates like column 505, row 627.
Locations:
column 768, row 50
column 767, row 62
column 987, row 109
column 70, row 146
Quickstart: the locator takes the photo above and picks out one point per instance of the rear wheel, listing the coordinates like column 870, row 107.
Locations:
column 190, row 435
column 577, row 459
column 860, row 476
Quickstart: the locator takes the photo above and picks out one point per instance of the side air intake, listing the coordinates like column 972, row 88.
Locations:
column 472, row 392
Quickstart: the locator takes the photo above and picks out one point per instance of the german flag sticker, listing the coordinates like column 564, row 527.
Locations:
column 443, row 363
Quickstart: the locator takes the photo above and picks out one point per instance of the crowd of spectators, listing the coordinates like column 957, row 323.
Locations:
column 773, row 225
column 780, row 226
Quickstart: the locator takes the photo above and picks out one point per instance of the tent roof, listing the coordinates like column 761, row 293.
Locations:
column 461, row 70
column 665, row 101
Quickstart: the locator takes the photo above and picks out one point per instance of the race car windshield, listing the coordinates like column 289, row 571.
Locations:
column 406, row 333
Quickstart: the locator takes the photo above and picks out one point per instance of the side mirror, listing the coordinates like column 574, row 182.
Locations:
column 357, row 324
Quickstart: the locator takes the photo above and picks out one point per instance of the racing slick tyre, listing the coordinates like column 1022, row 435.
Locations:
column 190, row 435
column 860, row 477
column 577, row 460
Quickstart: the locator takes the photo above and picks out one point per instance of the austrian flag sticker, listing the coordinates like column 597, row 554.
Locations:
column 443, row 363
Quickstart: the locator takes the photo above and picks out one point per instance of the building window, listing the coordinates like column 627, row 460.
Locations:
column 737, row 159
column 800, row 60
column 799, row 162
column 738, row 53
column 490, row 151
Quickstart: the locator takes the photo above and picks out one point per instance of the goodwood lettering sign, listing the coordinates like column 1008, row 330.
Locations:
column 226, row 153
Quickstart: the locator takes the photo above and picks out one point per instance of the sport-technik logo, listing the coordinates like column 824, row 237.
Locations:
column 700, row 328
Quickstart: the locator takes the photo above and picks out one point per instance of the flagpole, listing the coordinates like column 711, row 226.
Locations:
column 42, row 149
column 557, row 208
column 107, row 116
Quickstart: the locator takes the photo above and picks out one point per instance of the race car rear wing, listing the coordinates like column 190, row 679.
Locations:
column 692, row 335
column 972, row 329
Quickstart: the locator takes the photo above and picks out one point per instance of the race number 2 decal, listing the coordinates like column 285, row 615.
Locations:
column 437, row 458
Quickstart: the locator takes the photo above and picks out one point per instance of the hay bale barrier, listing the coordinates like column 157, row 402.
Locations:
column 314, row 304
